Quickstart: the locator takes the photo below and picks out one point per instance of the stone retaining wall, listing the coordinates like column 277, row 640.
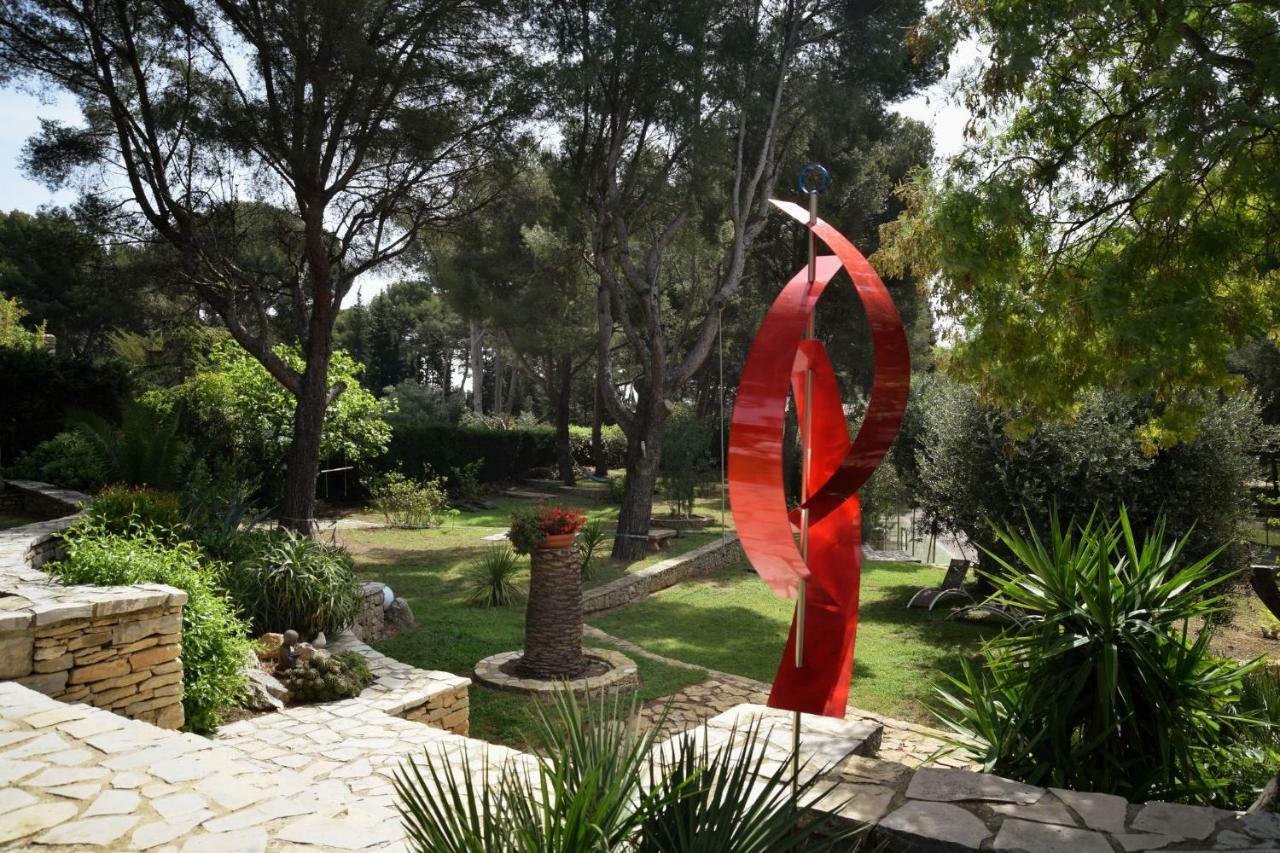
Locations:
column 700, row 562
column 116, row 648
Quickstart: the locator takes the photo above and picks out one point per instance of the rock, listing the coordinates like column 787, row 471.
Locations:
column 919, row 822
column 306, row 651
column 954, row 785
column 265, row 692
column 320, row 641
column 1048, row 838
column 400, row 617
column 269, row 646
column 1176, row 819
column 1104, row 812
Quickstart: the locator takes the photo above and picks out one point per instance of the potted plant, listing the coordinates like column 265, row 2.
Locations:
column 545, row 527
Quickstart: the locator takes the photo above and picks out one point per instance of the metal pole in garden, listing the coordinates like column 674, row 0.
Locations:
column 806, row 453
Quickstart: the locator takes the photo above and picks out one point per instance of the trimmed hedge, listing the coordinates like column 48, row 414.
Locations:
column 507, row 454
column 615, row 445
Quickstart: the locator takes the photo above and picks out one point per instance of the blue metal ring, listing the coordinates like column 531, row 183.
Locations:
column 824, row 179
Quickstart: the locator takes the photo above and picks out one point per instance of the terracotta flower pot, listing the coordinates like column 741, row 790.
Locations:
column 558, row 540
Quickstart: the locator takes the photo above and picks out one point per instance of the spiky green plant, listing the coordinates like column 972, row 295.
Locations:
column 1105, row 687
column 492, row 580
column 292, row 581
column 143, row 450
column 611, row 788
column 589, row 541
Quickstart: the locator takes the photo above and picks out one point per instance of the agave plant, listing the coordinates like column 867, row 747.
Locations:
column 1104, row 687
column 601, row 783
column 492, row 581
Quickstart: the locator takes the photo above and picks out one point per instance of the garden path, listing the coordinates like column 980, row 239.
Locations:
column 903, row 742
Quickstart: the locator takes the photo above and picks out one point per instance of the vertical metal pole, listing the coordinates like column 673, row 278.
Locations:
column 806, row 456
column 723, row 486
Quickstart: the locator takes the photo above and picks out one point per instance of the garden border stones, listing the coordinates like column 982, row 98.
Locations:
column 114, row 647
column 622, row 674
column 700, row 562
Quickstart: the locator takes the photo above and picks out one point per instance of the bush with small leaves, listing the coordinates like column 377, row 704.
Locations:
column 214, row 640
column 122, row 508
column 408, row 503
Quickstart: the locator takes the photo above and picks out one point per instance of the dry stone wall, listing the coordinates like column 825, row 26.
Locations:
column 116, row 648
column 698, row 563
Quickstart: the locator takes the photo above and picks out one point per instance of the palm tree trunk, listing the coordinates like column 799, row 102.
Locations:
column 553, row 616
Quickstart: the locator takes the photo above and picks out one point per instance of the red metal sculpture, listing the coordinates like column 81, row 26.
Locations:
column 821, row 571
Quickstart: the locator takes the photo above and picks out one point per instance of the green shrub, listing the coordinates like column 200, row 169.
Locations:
column 1103, row 688
column 612, row 439
column 214, row 640
column 67, row 460
column 327, row 678
column 615, row 489
column 1250, row 762
column 120, row 509
column 973, row 472
column 684, row 460
column 492, row 580
column 466, row 480
column 506, row 454
column 143, row 449
column 291, row 581
column 50, row 386
column 407, row 503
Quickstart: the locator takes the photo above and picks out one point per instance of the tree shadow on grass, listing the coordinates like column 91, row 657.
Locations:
column 889, row 607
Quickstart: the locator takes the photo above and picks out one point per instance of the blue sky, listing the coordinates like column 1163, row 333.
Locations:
column 22, row 112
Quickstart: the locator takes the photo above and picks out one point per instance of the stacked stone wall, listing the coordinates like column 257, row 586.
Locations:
column 698, row 563
column 116, row 648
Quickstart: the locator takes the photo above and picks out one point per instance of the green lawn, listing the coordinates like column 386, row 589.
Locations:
column 733, row 623
column 429, row 568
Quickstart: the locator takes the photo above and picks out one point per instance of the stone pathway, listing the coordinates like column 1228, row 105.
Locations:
column 904, row 742
column 316, row 778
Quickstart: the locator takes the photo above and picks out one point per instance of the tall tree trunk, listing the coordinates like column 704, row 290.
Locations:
column 644, row 455
column 302, row 462
column 597, row 434
column 498, row 408
column 513, row 390
column 477, row 369
column 564, row 448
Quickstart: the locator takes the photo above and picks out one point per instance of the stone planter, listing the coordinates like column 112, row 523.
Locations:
column 553, row 616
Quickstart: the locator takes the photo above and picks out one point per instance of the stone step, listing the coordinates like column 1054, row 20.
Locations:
column 824, row 741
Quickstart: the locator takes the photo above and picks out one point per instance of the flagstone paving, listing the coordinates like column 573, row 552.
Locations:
column 73, row 776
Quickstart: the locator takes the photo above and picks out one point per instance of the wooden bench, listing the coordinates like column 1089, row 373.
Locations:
column 658, row 537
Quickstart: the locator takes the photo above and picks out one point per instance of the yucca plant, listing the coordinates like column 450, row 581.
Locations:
column 589, row 540
column 608, row 787
column 1104, row 687
column 292, row 581
column 492, row 581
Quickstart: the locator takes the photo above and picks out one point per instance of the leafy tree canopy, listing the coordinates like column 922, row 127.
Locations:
column 238, row 404
column 1114, row 221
